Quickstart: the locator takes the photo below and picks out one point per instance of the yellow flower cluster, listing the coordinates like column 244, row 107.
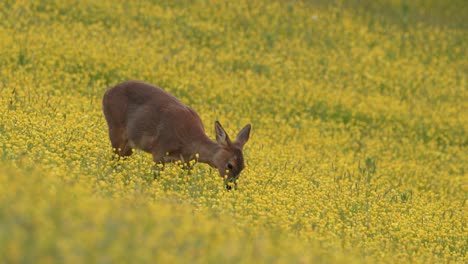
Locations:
column 358, row 150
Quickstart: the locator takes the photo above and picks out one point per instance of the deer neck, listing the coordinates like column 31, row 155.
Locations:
column 206, row 149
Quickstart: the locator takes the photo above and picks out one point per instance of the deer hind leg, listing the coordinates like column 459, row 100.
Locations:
column 120, row 142
column 159, row 163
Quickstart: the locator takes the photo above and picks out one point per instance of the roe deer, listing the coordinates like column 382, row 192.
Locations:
column 140, row 115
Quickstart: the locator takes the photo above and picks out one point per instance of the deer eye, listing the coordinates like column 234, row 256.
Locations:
column 229, row 166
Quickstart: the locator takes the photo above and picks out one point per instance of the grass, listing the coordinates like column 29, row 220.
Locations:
column 358, row 150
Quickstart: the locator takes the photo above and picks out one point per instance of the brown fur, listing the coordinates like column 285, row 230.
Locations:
column 140, row 115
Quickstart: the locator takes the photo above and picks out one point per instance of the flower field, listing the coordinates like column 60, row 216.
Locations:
column 358, row 151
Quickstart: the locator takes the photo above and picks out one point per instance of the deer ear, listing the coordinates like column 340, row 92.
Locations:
column 221, row 135
column 243, row 135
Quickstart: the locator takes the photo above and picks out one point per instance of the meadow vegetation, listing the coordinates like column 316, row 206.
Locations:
column 358, row 150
